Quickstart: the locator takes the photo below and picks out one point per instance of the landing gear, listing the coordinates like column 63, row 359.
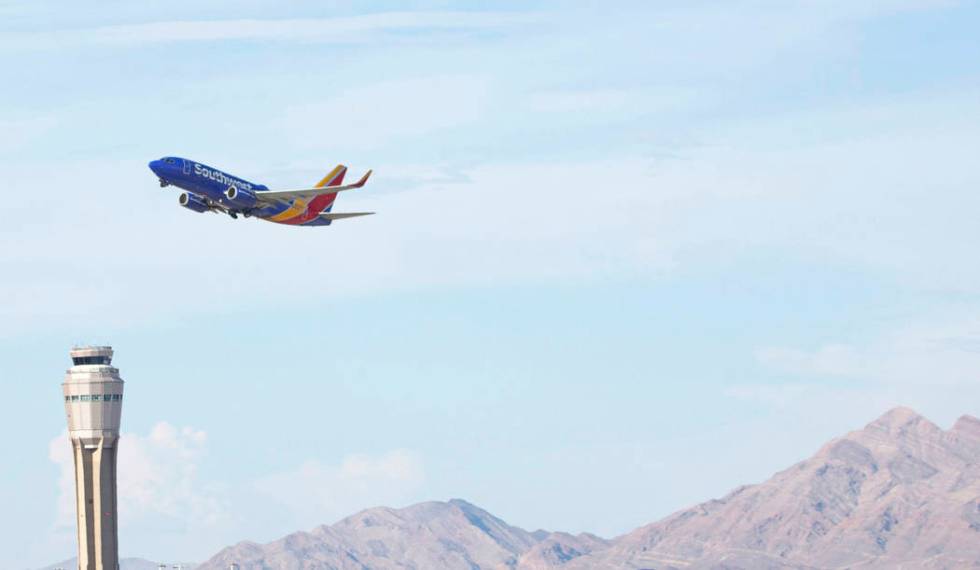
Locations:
column 233, row 215
column 164, row 183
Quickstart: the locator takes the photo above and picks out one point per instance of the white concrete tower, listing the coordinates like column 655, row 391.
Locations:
column 93, row 394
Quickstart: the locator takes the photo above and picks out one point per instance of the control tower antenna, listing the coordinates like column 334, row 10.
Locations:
column 93, row 394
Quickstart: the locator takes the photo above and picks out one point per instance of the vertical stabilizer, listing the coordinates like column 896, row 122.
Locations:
column 334, row 178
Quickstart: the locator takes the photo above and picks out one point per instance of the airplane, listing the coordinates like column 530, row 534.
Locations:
column 208, row 189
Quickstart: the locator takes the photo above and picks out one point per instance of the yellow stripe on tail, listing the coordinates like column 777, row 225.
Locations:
column 335, row 178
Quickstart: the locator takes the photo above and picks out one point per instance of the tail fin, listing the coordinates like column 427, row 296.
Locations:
column 334, row 178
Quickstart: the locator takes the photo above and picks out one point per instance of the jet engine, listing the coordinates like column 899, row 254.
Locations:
column 240, row 198
column 192, row 202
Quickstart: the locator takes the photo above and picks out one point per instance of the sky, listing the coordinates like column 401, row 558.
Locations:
column 625, row 258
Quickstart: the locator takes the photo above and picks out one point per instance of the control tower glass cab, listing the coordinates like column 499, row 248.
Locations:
column 93, row 395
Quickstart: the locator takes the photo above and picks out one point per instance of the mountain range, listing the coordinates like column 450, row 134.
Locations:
column 901, row 493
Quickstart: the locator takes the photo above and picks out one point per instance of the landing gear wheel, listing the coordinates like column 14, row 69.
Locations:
column 164, row 183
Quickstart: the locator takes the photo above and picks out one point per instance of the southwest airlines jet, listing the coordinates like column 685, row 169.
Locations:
column 210, row 190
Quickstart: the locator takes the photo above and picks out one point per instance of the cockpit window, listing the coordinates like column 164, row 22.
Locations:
column 170, row 161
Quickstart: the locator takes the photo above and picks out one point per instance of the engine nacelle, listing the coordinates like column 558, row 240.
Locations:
column 193, row 202
column 240, row 198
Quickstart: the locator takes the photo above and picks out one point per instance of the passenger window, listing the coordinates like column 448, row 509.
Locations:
column 84, row 397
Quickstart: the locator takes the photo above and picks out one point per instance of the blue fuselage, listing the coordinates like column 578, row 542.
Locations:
column 199, row 178
column 209, row 185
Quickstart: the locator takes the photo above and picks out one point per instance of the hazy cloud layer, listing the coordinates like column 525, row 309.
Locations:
column 856, row 202
column 941, row 355
column 163, row 495
column 319, row 492
column 391, row 26
column 160, row 491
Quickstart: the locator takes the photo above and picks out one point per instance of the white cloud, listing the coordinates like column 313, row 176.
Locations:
column 167, row 506
column 160, row 492
column 21, row 133
column 857, row 185
column 932, row 365
column 942, row 354
column 778, row 396
column 829, row 360
column 341, row 30
column 601, row 103
column 159, row 478
column 594, row 100
column 59, row 451
column 369, row 115
column 698, row 39
column 511, row 223
column 318, row 493
column 873, row 199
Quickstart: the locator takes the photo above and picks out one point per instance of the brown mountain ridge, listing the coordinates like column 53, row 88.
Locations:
column 901, row 494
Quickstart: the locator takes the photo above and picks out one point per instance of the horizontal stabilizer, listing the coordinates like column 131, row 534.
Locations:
column 342, row 215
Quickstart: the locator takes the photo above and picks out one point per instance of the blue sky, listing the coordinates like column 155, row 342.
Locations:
column 625, row 259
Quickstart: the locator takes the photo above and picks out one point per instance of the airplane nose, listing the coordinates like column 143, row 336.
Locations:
column 154, row 165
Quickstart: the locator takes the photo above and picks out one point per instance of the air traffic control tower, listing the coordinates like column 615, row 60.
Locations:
column 93, row 394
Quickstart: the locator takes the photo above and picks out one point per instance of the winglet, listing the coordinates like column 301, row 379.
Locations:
column 363, row 180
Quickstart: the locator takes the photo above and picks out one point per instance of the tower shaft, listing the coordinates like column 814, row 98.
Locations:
column 95, row 492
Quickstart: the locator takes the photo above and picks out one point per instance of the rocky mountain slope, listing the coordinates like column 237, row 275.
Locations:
column 450, row 536
column 901, row 493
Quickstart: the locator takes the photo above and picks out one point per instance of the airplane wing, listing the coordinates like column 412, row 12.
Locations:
column 342, row 215
column 279, row 196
